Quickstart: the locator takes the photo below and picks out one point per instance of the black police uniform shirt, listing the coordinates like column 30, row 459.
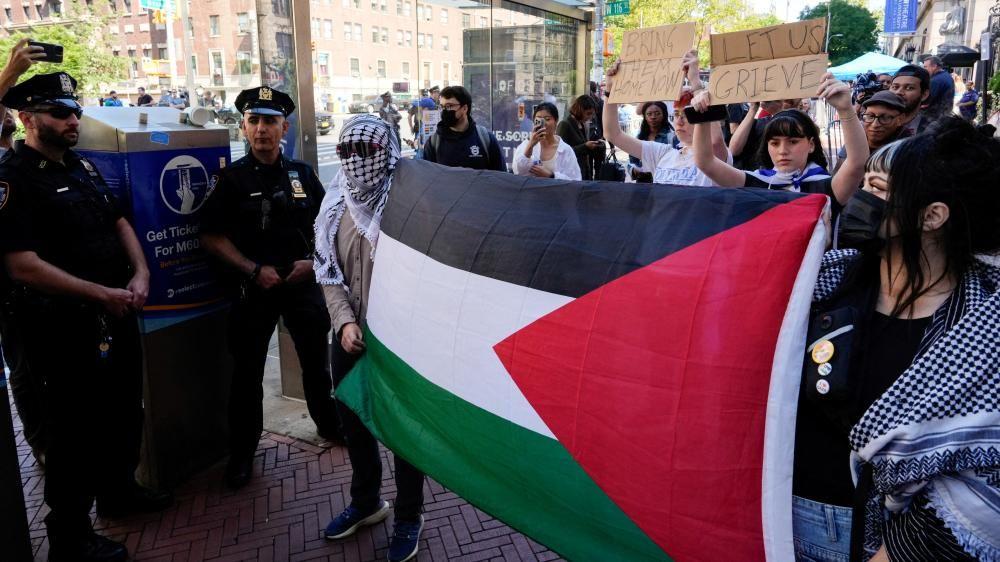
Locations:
column 266, row 210
column 65, row 213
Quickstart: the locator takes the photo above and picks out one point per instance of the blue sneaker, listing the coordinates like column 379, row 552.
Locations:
column 351, row 519
column 405, row 539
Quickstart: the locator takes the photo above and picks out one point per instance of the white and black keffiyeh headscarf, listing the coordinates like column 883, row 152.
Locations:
column 361, row 187
column 935, row 433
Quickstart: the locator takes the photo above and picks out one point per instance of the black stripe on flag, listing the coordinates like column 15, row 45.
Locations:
column 563, row 237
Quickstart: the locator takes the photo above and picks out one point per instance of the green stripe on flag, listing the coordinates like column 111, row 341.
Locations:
column 526, row 480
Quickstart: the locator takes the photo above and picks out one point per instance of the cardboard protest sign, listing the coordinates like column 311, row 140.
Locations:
column 770, row 63
column 651, row 63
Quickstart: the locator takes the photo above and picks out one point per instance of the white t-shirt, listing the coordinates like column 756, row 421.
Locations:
column 673, row 166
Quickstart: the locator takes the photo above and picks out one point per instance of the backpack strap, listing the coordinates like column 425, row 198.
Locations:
column 484, row 137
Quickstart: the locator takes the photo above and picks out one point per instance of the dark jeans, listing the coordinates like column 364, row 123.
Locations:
column 92, row 406
column 251, row 324
column 366, row 465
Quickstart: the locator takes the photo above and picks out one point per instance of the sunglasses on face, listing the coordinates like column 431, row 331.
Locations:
column 360, row 148
column 61, row 112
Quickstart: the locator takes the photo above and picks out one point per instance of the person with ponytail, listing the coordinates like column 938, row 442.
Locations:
column 897, row 450
column 791, row 153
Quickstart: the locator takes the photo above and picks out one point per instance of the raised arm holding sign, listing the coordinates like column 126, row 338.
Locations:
column 776, row 62
column 651, row 63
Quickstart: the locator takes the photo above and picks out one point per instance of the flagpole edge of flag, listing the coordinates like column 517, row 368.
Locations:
column 776, row 478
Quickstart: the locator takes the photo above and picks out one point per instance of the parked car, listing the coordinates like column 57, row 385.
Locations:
column 324, row 122
column 227, row 115
column 366, row 105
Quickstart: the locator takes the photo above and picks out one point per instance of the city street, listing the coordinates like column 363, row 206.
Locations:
column 326, row 146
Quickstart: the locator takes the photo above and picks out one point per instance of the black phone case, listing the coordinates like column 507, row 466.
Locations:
column 713, row 113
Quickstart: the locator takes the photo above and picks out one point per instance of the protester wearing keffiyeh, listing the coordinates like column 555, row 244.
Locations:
column 361, row 187
column 934, row 436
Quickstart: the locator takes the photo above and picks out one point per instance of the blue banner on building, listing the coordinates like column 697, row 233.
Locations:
column 900, row 16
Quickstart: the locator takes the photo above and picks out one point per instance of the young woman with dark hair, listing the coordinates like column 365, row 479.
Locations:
column 575, row 130
column 655, row 127
column 791, row 153
column 544, row 154
column 900, row 381
column 669, row 165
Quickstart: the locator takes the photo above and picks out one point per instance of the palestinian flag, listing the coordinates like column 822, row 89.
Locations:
column 610, row 368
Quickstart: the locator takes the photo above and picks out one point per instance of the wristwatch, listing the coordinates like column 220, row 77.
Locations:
column 255, row 272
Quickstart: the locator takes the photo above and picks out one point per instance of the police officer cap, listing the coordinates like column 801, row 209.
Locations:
column 57, row 88
column 265, row 101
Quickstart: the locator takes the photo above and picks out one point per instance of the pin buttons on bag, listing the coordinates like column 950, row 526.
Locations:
column 824, row 369
column 822, row 386
column 823, row 352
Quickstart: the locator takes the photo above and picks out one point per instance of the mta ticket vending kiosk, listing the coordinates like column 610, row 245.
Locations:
column 160, row 169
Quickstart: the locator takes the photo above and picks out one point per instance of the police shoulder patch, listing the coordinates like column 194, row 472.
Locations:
column 4, row 193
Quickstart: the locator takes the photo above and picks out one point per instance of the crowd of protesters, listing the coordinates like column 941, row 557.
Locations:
column 902, row 293
column 896, row 455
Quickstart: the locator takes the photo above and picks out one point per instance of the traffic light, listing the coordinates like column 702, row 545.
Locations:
column 609, row 43
column 160, row 17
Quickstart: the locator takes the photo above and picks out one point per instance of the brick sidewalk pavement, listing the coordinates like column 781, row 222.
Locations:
column 297, row 488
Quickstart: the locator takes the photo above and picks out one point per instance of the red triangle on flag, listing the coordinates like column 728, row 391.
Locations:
column 657, row 382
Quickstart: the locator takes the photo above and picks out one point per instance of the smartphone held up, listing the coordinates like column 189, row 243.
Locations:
column 53, row 53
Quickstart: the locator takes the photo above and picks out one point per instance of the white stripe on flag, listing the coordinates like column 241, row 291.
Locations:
column 419, row 306
column 782, row 400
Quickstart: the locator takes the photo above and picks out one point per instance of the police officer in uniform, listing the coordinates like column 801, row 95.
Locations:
column 75, row 277
column 258, row 221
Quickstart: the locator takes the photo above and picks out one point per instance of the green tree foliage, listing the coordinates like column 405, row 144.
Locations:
column 853, row 28
column 711, row 16
column 86, row 47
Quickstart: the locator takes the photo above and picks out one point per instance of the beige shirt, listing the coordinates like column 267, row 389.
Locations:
column 350, row 304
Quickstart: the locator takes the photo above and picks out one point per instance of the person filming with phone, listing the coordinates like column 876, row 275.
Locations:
column 544, row 154
column 669, row 165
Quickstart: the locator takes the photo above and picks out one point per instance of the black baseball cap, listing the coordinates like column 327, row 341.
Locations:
column 887, row 99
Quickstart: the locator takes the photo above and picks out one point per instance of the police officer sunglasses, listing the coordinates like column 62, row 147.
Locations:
column 60, row 112
column 361, row 148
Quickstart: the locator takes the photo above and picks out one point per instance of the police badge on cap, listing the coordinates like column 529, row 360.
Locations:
column 57, row 88
column 265, row 101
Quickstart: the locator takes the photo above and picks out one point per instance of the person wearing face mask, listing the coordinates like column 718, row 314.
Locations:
column 459, row 141
column 258, row 222
column 576, row 131
column 545, row 154
column 669, row 165
column 896, row 436
column 347, row 231
column 791, row 153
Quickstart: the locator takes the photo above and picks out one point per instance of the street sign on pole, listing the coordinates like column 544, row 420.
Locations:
column 154, row 4
column 617, row 8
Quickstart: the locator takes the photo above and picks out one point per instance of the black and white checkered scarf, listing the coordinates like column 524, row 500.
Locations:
column 361, row 188
column 936, row 431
